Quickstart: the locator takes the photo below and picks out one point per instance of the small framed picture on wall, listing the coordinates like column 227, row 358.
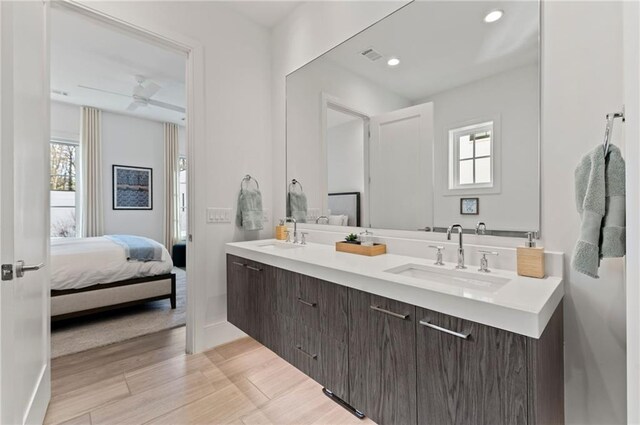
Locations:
column 132, row 188
column 469, row 206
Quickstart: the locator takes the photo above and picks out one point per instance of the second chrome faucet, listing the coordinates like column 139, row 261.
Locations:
column 460, row 246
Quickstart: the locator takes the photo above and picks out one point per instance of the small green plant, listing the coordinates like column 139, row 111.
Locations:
column 351, row 238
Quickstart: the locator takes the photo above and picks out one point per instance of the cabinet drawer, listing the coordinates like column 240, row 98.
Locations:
column 468, row 372
column 317, row 304
column 318, row 355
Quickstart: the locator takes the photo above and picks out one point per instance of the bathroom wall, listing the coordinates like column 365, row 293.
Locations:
column 233, row 128
column 345, row 157
column 512, row 99
column 582, row 74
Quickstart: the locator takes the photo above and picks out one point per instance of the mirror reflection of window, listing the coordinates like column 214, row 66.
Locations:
column 471, row 156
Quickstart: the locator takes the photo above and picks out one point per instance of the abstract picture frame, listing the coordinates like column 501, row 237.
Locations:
column 132, row 187
column 469, row 206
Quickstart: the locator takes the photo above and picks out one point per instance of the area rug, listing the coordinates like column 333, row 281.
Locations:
column 80, row 334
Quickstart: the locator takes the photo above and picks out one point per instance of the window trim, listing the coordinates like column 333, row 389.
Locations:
column 452, row 132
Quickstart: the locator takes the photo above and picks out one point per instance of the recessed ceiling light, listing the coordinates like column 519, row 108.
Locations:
column 393, row 62
column 493, row 16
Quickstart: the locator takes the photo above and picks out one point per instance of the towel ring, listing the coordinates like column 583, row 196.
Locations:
column 293, row 184
column 248, row 179
column 609, row 128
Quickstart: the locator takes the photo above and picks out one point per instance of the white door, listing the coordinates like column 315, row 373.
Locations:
column 401, row 170
column 24, row 212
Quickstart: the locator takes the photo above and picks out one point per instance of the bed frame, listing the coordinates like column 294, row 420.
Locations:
column 70, row 303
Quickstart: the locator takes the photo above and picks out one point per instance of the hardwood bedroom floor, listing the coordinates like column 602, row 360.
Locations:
column 150, row 380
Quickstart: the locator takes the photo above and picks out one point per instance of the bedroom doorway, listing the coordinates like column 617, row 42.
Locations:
column 121, row 143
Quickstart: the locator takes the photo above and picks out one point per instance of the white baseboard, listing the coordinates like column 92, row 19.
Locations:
column 220, row 333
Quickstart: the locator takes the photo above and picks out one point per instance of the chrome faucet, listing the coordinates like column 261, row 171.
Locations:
column 481, row 225
column 295, row 228
column 460, row 247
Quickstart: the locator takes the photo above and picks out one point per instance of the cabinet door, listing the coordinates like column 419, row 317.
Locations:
column 475, row 375
column 238, row 293
column 382, row 358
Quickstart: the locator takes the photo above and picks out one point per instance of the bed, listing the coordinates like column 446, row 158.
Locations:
column 90, row 275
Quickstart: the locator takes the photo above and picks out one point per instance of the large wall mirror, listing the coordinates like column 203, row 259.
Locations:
column 427, row 118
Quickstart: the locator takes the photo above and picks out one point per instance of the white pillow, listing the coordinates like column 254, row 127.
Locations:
column 336, row 220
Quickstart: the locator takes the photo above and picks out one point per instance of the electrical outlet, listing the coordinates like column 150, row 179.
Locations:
column 218, row 215
column 265, row 216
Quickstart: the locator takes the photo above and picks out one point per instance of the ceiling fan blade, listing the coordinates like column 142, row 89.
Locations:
column 148, row 90
column 104, row 91
column 133, row 106
column 166, row 105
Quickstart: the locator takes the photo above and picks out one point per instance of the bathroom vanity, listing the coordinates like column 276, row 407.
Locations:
column 401, row 340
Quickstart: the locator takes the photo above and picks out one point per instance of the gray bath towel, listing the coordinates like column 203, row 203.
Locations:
column 600, row 198
column 297, row 206
column 249, row 215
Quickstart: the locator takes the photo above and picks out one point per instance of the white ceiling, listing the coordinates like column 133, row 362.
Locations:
column 442, row 45
column 267, row 13
column 90, row 53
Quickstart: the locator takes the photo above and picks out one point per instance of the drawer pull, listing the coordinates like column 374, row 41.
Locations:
column 300, row 300
column 390, row 313
column 255, row 269
column 427, row 322
column 311, row 356
column 239, row 264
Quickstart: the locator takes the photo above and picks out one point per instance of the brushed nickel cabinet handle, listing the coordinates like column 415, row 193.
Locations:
column 255, row 269
column 300, row 300
column 390, row 313
column 311, row 356
column 427, row 322
column 238, row 264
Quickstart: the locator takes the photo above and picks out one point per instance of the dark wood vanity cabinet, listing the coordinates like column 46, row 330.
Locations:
column 382, row 358
column 397, row 363
column 251, row 300
column 469, row 373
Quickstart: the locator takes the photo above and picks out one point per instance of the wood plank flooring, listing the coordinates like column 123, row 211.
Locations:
column 149, row 380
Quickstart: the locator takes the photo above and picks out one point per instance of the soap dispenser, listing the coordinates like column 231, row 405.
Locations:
column 530, row 259
column 281, row 231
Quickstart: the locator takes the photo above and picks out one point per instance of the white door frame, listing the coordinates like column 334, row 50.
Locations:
column 195, row 135
column 631, row 91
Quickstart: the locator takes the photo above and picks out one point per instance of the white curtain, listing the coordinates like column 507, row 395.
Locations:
column 92, row 213
column 171, row 188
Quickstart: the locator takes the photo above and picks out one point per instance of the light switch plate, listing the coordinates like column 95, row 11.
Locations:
column 218, row 215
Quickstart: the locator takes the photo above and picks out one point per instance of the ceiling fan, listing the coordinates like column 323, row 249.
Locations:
column 142, row 95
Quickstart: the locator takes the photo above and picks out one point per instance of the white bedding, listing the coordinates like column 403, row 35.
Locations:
column 80, row 262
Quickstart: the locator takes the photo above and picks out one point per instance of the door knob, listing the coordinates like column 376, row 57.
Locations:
column 21, row 268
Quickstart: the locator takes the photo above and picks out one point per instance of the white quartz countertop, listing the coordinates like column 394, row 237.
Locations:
column 523, row 305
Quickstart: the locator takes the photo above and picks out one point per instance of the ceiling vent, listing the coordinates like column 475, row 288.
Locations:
column 371, row 54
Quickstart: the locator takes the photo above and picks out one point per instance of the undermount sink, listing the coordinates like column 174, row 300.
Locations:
column 459, row 278
column 279, row 245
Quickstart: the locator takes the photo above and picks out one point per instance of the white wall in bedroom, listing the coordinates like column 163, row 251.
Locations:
column 126, row 140
column 581, row 81
column 134, row 142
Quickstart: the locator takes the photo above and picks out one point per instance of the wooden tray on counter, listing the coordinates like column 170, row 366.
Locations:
column 356, row 248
